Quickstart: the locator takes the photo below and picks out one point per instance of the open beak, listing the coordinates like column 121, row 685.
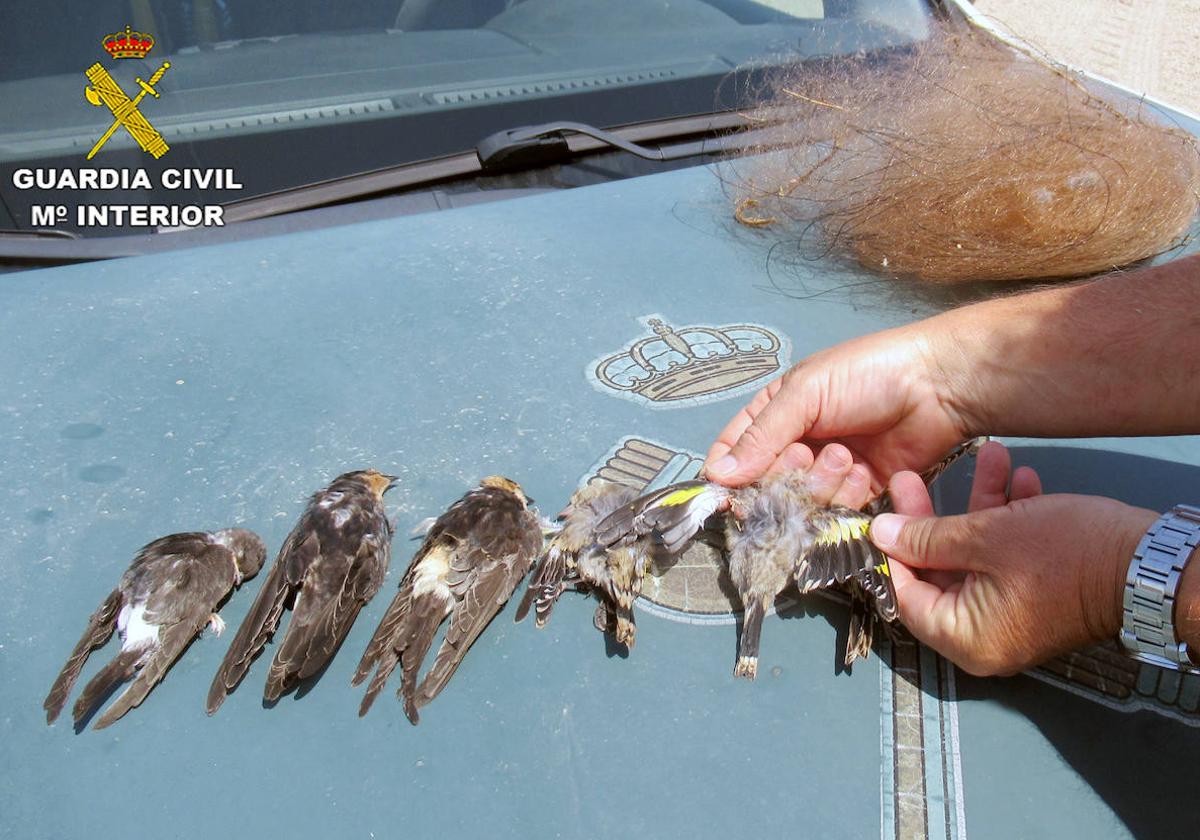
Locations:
column 393, row 480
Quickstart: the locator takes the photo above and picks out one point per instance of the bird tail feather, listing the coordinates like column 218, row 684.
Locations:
column 387, row 664
column 417, row 643
column 119, row 669
column 752, row 619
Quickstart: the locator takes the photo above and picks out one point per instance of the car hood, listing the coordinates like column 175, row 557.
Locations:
column 608, row 330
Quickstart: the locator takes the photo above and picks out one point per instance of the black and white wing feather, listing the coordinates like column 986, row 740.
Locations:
column 676, row 512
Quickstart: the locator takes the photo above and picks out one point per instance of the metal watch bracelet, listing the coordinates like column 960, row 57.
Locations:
column 1148, row 621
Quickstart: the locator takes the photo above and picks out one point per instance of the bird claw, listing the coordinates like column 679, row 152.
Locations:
column 603, row 619
column 216, row 624
column 747, row 666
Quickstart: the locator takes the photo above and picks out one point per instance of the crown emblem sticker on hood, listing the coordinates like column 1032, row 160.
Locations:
column 674, row 367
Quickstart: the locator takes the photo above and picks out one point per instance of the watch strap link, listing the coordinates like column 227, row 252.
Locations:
column 1148, row 624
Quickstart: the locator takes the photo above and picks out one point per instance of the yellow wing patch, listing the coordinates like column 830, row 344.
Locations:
column 681, row 497
column 844, row 530
column 882, row 569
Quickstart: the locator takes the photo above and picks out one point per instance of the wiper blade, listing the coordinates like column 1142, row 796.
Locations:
column 571, row 143
column 721, row 132
column 540, row 145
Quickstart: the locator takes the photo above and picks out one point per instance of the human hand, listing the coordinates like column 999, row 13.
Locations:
column 1019, row 578
column 883, row 398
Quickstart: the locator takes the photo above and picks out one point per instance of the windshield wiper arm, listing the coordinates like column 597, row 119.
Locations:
column 538, row 145
column 469, row 164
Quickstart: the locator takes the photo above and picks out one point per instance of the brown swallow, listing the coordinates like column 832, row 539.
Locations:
column 574, row 557
column 170, row 591
column 470, row 563
column 332, row 563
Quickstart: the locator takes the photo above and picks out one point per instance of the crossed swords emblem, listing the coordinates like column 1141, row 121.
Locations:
column 105, row 91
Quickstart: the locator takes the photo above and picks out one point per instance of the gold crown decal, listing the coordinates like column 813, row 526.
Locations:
column 691, row 363
column 128, row 44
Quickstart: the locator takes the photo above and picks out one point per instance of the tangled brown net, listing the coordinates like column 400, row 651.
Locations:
column 965, row 159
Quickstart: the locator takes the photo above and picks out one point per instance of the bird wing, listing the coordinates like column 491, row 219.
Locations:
column 483, row 576
column 548, row 582
column 843, row 553
column 971, row 447
column 393, row 618
column 197, row 577
column 412, row 619
column 331, row 596
column 876, row 582
column 676, row 512
column 298, row 552
column 381, row 650
column 840, row 549
column 99, row 630
column 192, row 609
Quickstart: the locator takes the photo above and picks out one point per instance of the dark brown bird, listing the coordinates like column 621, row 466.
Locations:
column 470, row 563
column 170, row 591
column 332, row 563
column 573, row 557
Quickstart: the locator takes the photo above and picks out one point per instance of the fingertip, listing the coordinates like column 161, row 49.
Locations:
column 715, row 453
column 1026, row 484
column 829, row 470
column 909, row 494
column 746, row 461
column 989, row 488
column 723, row 470
column 836, row 456
column 990, row 450
column 885, row 530
column 795, row 456
column 855, row 489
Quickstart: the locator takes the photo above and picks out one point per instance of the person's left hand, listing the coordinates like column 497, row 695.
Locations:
column 1018, row 579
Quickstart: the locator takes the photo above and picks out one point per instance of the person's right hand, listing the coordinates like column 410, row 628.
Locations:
column 887, row 397
column 1019, row 578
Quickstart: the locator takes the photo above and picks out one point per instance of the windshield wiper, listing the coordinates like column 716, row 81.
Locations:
column 525, row 147
column 506, row 151
column 542, row 145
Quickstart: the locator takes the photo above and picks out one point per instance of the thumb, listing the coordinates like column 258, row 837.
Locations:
column 925, row 542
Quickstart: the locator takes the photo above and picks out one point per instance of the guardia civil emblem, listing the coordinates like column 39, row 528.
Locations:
column 104, row 91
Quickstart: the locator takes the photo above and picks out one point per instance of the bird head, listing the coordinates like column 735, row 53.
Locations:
column 376, row 482
column 249, row 551
column 499, row 482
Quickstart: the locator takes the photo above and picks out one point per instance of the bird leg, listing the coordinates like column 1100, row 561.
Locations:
column 603, row 618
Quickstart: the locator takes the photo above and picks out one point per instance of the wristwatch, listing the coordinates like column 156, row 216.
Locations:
column 1148, row 624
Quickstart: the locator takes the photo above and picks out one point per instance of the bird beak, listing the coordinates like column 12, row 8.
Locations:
column 393, row 480
column 530, row 501
column 562, row 514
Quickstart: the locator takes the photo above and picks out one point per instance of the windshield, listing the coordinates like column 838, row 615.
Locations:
column 280, row 94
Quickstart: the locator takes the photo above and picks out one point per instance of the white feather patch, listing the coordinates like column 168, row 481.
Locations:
column 431, row 574
column 340, row 517
column 135, row 631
